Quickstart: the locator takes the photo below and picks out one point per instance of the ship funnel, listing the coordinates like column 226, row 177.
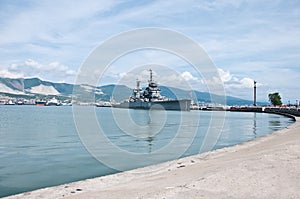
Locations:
column 138, row 82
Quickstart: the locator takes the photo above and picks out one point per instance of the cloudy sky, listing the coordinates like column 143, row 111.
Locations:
column 246, row 40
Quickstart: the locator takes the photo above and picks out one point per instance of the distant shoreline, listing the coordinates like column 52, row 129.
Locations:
column 258, row 168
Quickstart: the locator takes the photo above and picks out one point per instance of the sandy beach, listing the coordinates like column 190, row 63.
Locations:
column 267, row 167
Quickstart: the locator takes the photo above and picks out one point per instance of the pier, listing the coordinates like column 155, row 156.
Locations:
column 276, row 110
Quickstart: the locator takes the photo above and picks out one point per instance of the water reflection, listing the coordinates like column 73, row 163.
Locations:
column 254, row 125
column 150, row 140
column 275, row 124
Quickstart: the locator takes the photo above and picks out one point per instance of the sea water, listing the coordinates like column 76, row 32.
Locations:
column 41, row 146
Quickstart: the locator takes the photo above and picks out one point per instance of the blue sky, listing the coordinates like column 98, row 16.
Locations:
column 245, row 39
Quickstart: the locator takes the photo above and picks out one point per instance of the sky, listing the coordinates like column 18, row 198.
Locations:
column 246, row 40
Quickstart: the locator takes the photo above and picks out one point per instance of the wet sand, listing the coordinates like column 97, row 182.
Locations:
column 267, row 167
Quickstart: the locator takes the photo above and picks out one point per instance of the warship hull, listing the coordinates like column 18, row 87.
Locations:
column 178, row 105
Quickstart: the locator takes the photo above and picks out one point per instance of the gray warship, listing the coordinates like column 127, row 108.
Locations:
column 150, row 98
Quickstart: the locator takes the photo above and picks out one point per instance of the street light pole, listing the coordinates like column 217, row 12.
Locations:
column 254, row 101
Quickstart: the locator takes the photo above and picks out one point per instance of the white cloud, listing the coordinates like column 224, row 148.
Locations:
column 31, row 63
column 231, row 81
column 49, row 20
column 224, row 75
column 121, row 75
column 61, row 68
column 163, row 76
column 6, row 73
column 247, row 82
column 188, row 76
column 53, row 71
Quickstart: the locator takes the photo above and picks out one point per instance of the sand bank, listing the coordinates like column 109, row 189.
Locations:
column 267, row 167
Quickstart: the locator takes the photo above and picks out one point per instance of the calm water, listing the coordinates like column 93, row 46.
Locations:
column 40, row 147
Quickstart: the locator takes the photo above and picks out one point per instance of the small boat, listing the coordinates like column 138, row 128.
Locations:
column 40, row 102
column 20, row 102
column 103, row 104
column 53, row 102
column 29, row 102
column 10, row 102
column 66, row 104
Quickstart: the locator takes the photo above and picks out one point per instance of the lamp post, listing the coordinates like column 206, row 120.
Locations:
column 254, row 101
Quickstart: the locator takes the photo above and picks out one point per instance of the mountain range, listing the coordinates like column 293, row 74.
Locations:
column 32, row 88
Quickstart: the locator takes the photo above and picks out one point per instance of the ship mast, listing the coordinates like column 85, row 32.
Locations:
column 150, row 75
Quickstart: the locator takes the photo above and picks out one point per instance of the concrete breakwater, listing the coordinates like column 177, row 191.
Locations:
column 277, row 110
column 284, row 111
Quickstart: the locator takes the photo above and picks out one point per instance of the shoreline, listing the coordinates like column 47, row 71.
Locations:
column 266, row 167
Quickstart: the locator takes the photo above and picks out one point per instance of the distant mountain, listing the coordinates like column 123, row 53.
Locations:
column 203, row 97
column 119, row 92
column 61, row 88
column 37, row 88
